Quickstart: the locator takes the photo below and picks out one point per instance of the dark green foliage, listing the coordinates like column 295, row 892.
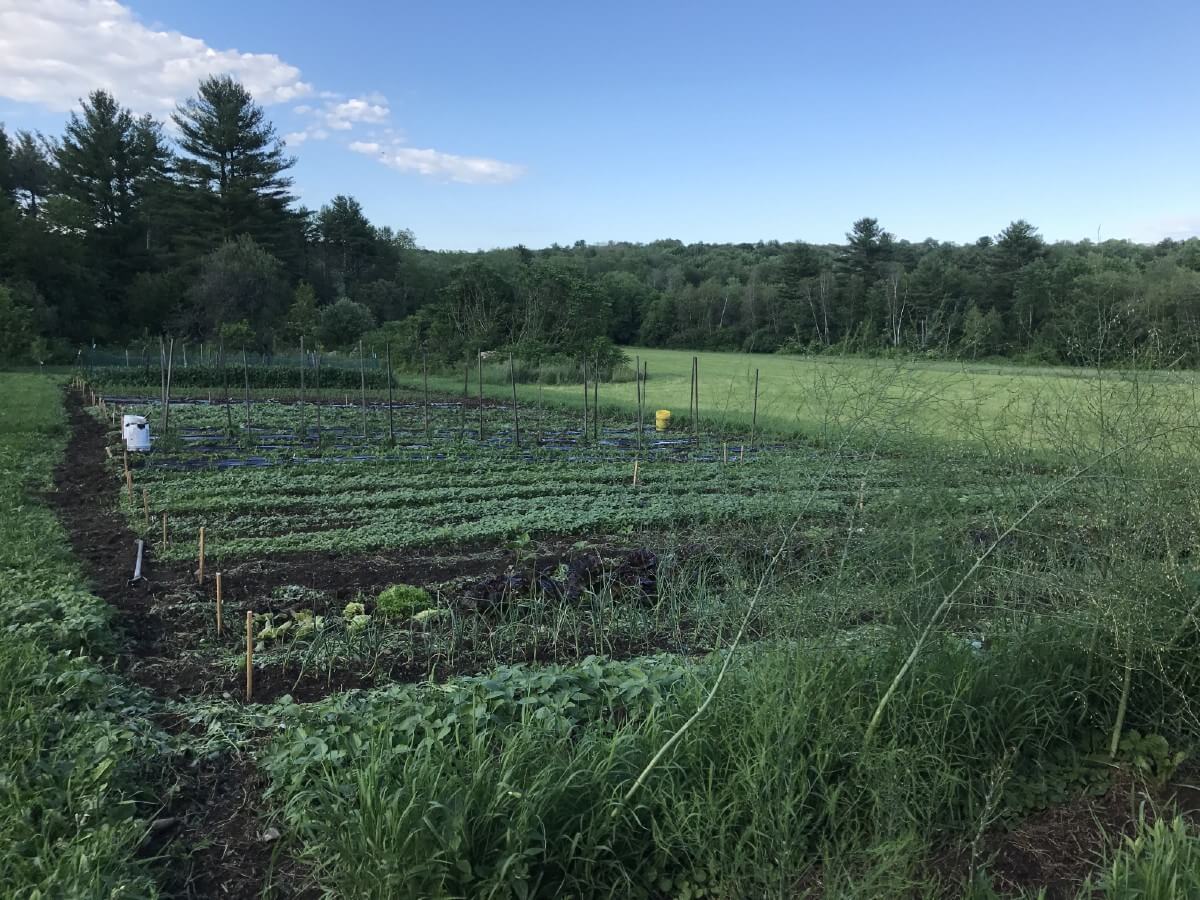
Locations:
column 233, row 165
column 403, row 600
column 280, row 374
column 343, row 323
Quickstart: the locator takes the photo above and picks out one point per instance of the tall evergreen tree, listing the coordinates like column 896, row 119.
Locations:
column 235, row 168
column 31, row 172
column 111, row 167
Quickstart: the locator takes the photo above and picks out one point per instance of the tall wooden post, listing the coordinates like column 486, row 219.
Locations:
column 246, row 378
column 480, row 361
column 754, row 414
column 696, row 419
column 303, row 423
column 462, row 426
column 362, row 379
column 225, row 390
column 167, row 392
column 512, row 375
column 249, row 655
column 425, row 387
column 596, row 409
column 317, row 379
column 637, row 380
column 583, row 434
column 391, row 403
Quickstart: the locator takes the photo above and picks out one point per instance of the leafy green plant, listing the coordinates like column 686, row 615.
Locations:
column 1160, row 862
column 402, row 601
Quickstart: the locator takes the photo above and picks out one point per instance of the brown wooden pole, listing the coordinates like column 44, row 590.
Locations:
column 165, row 542
column 391, row 402
column 200, row 570
column 512, row 375
column 317, row 378
column 462, row 426
column 637, row 380
column 246, row 379
column 167, row 395
column 583, row 434
column 696, row 427
column 480, row 361
column 303, row 429
column 362, row 378
column 596, row 409
column 425, row 388
column 249, row 655
column 754, row 414
column 146, row 505
column 219, row 623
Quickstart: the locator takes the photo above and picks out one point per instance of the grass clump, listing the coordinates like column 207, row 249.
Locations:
column 1160, row 862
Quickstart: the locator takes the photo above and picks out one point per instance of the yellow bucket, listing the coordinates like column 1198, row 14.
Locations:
column 662, row 420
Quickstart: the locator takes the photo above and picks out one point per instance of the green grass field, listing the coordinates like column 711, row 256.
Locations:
column 984, row 404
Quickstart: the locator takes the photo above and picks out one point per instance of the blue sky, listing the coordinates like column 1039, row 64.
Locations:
column 487, row 124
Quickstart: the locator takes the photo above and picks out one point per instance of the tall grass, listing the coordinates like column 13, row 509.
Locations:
column 1078, row 619
column 75, row 749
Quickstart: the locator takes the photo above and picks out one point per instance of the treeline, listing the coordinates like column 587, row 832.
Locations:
column 113, row 233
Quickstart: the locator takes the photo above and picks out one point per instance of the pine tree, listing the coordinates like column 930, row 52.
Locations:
column 235, row 167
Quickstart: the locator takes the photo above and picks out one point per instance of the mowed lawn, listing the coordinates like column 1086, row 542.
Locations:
column 976, row 404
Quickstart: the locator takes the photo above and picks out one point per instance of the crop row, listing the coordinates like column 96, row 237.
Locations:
column 488, row 520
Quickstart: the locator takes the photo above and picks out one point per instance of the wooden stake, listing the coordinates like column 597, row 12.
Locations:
column 481, row 396
column 512, row 375
column 742, row 454
column 200, row 571
column 754, row 414
column 219, row 604
column 696, row 427
column 596, row 409
column 246, row 378
column 164, row 541
column 303, row 422
column 583, row 434
column 225, row 389
column 129, row 487
column 167, row 392
column 425, row 382
column 391, row 402
column 249, row 655
column 635, row 472
column 362, row 375
column 462, row 427
column 146, row 505
column 725, row 452
column 637, row 380
column 317, row 378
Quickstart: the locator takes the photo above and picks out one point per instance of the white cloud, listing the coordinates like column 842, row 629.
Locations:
column 339, row 115
column 342, row 116
column 53, row 52
column 436, row 164
column 1178, row 227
